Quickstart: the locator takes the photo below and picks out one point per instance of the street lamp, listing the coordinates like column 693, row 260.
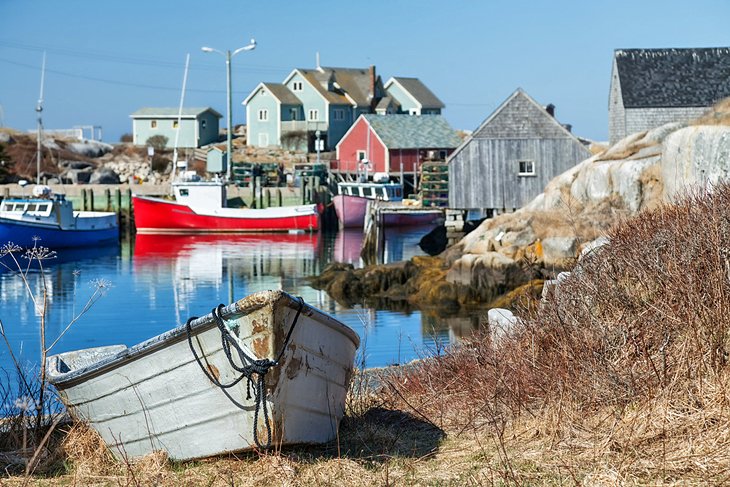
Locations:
column 228, row 55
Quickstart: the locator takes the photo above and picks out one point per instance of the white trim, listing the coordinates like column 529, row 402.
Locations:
column 251, row 95
column 248, row 126
column 392, row 81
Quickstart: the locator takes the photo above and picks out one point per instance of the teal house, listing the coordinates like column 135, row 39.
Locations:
column 411, row 96
column 310, row 107
column 314, row 108
column 197, row 126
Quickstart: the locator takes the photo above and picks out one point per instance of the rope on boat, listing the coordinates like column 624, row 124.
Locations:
column 251, row 367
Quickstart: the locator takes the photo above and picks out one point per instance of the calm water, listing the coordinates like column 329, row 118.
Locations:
column 154, row 283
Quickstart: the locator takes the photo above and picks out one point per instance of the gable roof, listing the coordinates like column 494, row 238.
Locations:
column 519, row 117
column 350, row 86
column 167, row 112
column 282, row 93
column 413, row 132
column 420, row 92
column 663, row 78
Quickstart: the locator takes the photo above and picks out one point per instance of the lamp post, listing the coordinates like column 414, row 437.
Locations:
column 228, row 55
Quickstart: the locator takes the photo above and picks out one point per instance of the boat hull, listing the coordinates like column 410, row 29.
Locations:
column 155, row 215
column 351, row 212
column 26, row 234
column 154, row 396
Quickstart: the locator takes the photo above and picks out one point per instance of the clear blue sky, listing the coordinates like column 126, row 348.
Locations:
column 106, row 59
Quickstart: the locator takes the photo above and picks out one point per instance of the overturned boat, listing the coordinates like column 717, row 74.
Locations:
column 266, row 370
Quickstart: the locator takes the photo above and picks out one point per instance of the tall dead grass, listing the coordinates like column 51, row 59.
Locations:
column 623, row 367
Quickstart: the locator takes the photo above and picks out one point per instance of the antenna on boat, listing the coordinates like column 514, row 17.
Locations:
column 179, row 117
column 39, row 110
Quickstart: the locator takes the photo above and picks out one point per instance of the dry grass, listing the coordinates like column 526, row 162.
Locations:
column 621, row 374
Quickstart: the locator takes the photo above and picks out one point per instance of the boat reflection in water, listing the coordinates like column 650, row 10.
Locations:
column 401, row 243
column 223, row 266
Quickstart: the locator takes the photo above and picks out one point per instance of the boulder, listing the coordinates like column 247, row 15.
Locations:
column 695, row 156
column 557, row 250
column 104, row 176
column 501, row 321
column 89, row 148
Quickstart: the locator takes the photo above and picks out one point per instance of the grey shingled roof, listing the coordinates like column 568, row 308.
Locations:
column 283, row 94
column 165, row 112
column 661, row 78
column 414, row 132
column 420, row 92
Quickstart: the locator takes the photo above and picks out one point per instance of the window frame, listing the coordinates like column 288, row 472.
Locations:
column 315, row 112
column 263, row 115
column 529, row 168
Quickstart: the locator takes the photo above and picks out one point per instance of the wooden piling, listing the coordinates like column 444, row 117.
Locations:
column 268, row 198
column 91, row 200
column 83, row 199
column 108, row 198
column 279, row 197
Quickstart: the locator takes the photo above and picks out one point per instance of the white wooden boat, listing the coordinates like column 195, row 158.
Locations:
column 165, row 394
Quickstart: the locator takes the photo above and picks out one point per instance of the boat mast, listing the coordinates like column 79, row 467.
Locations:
column 39, row 109
column 179, row 117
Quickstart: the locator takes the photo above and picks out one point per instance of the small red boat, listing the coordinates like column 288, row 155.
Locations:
column 200, row 206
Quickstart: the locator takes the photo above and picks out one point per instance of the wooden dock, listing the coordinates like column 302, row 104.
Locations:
column 373, row 242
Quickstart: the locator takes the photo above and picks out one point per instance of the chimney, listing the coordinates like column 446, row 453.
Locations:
column 372, row 81
column 550, row 109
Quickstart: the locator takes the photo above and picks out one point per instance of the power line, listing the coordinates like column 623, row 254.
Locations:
column 116, row 58
column 109, row 81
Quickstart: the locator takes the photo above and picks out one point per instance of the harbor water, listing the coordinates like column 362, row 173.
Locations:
column 150, row 284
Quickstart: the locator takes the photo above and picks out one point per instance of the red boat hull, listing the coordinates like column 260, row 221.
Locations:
column 155, row 215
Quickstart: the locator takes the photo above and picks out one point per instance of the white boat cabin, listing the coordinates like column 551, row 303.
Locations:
column 373, row 191
column 200, row 194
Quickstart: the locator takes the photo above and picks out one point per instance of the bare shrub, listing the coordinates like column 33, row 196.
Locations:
column 628, row 355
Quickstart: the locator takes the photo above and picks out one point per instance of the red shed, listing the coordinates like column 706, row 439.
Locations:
column 392, row 143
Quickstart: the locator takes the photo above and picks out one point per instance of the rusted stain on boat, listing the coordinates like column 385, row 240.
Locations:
column 214, row 372
column 257, row 327
column 292, row 369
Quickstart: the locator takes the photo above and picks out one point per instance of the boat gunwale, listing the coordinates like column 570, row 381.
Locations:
column 244, row 306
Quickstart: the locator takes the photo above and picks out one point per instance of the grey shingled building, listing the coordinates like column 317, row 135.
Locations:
column 651, row 87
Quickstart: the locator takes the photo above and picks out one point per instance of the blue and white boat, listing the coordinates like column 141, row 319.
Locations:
column 52, row 219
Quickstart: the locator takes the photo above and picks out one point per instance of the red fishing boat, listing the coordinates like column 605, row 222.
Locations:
column 200, row 206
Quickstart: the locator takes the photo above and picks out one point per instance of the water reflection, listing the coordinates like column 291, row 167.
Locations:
column 160, row 281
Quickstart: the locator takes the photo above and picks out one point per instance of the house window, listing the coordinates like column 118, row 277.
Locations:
column 313, row 115
column 526, row 168
column 153, row 124
column 297, row 86
column 203, row 123
column 339, row 114
column 442, row 155
column 294, row 113
column 360, row 155
column 174, row 124
column 263, row 115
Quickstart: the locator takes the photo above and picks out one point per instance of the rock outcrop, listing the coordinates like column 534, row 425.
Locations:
column 577, row 207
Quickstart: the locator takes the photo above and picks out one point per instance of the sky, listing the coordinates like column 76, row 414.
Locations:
column 106, row 59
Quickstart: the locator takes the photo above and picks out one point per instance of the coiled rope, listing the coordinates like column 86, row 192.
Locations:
column 253, row 370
